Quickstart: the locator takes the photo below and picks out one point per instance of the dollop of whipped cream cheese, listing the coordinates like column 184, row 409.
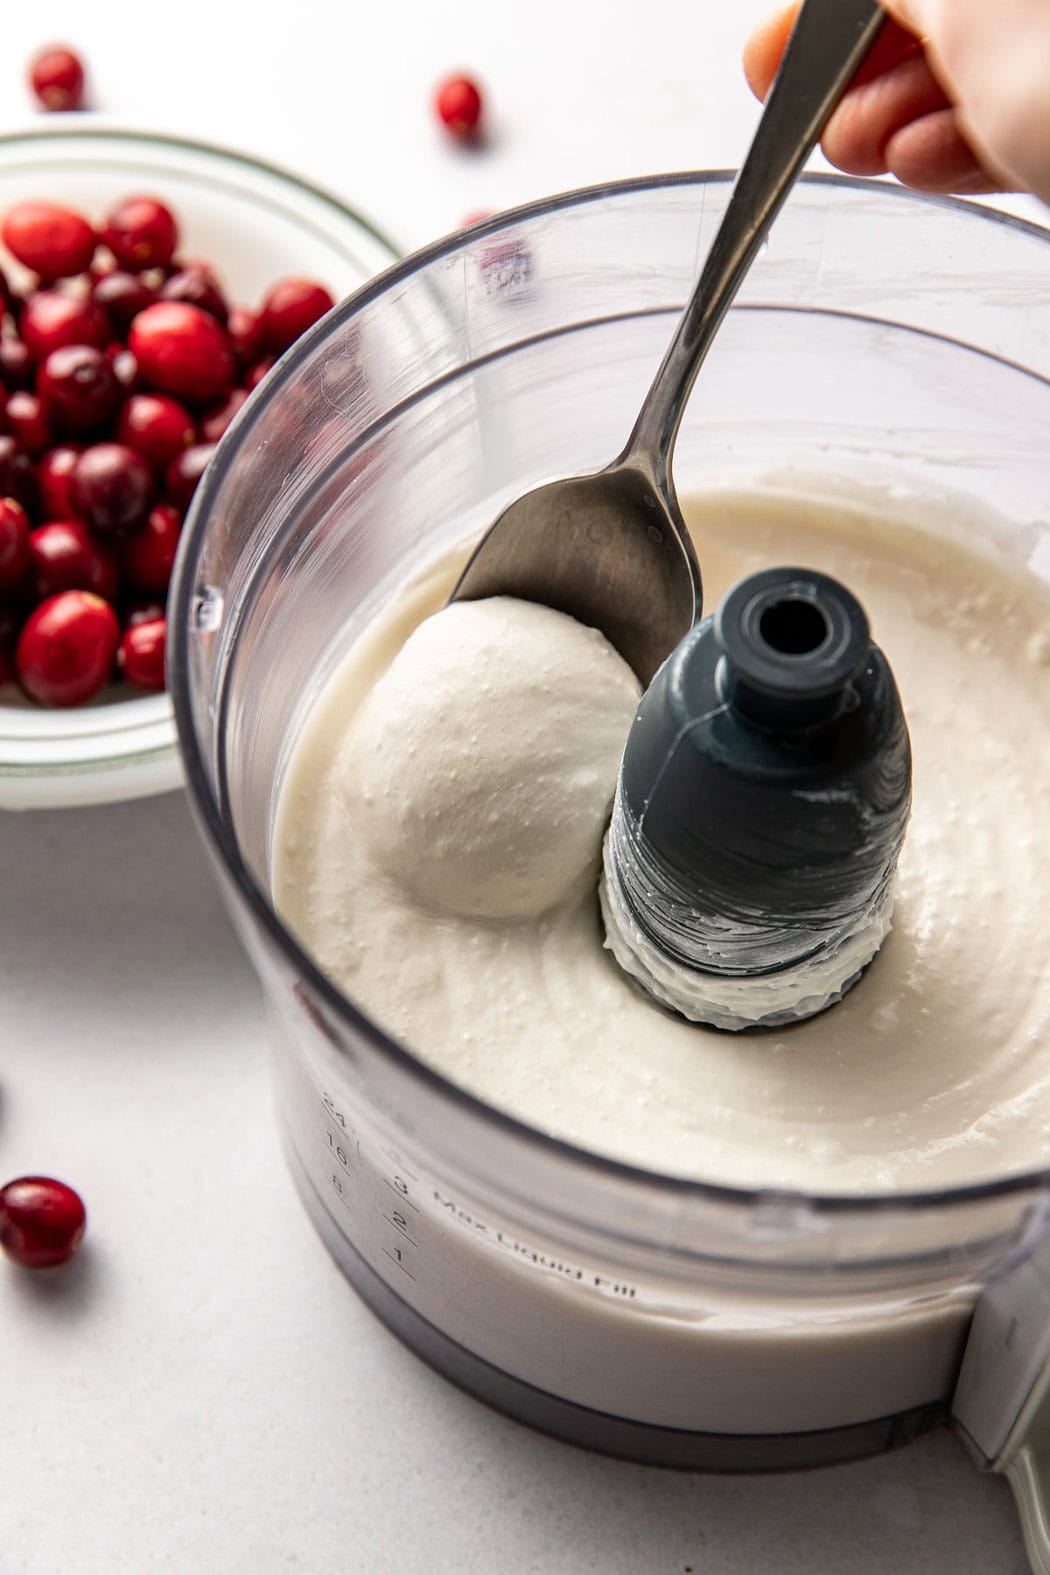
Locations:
column 438, row 841
column 484, row 759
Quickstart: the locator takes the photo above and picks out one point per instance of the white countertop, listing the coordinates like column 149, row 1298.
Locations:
column 201, row 1391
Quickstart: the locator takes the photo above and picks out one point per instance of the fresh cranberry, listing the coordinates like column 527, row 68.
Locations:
column 27, row 420
column 155, row 426
column 214, row 422
column 112, row 488
column 53, row 473
column 254, row 376
column 245, row 333
column 66, row 557
column 141, row 233
column 17, row 476
column 66, row 649
column 54, row 242
column 505, row 266
column 9, row 624
column 8, row 298
column 291, row 307
column 154, row 278
column 458, row 104
column 140, row 655
column 198, row 287
column 184, row 472
column 143, row 611
column 14, row 542
column 56, row 76
column 16, row 364
column 166, row 396
column 125, row 367
column 149, row 555
column 122, row 295
column 182, row 350
column 78, row 388
column 51, row 319
column 42, row 1221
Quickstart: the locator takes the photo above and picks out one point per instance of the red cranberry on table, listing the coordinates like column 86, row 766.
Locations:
column 52, row 319
column 148, row 557
column 156, row 426
column 458, row 103
column 78, row 388
column 182, row 350
column 42, row 1221
column 55, row 242
column 56, row 76
column 112, row 488
column 66, row 557
column 140, row 655
column 141, row 232
column 14, row 542
column 28, row 421
column 184, row 472
column 53, row 473
column 67, row 647
column 505, row 266
column 290, row 307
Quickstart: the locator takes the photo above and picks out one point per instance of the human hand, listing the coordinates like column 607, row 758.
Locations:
column 954, row 97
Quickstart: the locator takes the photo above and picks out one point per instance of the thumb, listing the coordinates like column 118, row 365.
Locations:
column 766, row 44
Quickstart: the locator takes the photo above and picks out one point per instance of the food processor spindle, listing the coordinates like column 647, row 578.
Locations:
column 761, row 807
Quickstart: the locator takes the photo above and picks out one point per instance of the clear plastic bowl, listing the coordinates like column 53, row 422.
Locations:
column 256, row 223
column 881, row 337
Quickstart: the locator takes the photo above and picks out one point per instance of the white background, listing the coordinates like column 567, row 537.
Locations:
column 200, row 1391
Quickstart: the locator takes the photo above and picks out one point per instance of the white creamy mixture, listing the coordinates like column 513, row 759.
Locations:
column 438, row 843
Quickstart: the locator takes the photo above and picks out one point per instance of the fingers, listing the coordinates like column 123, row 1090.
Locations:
column 858, row 134
column 932, row 154
column 766, row 45
column 894, row 118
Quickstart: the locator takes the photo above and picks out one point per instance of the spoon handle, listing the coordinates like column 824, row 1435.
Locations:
column 830, row 39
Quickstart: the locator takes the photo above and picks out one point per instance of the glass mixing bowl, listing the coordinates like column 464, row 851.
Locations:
column 881, row 338
column 256, row 223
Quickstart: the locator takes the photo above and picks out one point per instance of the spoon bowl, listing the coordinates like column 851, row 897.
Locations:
column 610, row 548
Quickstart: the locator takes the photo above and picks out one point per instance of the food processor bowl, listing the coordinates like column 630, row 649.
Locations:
column 881, row 338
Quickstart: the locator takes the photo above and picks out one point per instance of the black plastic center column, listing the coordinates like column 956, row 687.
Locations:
column 762, row 804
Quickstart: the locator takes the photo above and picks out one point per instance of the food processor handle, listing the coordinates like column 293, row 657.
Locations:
column 1026, row 1466
column 1001, row 1405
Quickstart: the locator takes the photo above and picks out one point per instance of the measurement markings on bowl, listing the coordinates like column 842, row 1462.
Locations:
column 379, row 1177
column 388, row 1187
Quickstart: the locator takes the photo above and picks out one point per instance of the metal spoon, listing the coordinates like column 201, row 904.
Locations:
column 611, row 548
